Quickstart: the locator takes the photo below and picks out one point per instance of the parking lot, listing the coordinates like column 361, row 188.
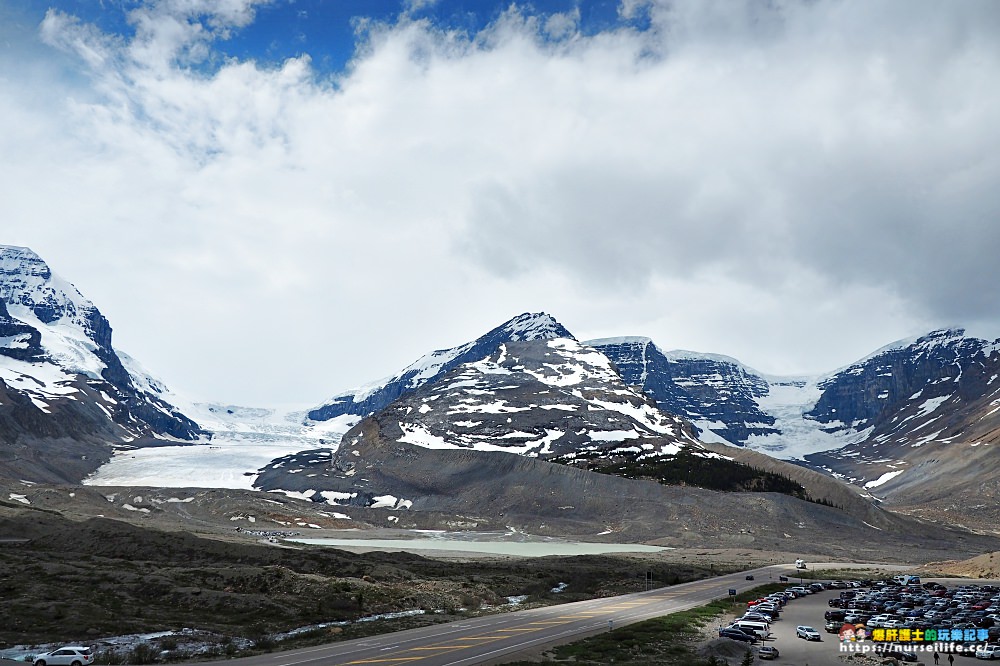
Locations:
column 809, row 610
column 796, row 651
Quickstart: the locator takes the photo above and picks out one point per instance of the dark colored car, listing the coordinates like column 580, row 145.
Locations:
column 737, row 635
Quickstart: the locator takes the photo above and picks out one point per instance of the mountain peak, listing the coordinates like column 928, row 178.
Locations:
column 23, row 260
column 942, row 335
column 527, row 327
column 534, row 326
column 28, row 285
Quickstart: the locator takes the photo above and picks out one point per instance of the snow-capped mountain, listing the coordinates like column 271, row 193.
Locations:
column 541, row 398
column 373, row 397
column 547, row 398
column 912, row 421
column 727, row 401
column 511, row 437
column 883, row 394
column 913, row 389
column 923, row 405
column 61, row 379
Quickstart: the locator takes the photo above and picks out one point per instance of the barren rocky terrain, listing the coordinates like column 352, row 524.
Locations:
column 81, row 580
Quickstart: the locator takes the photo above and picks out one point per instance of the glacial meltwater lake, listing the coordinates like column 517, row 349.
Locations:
column 484, row 547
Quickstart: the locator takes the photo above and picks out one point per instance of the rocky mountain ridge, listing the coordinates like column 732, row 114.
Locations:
column 914, row 422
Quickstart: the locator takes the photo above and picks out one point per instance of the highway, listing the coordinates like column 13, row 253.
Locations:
column 497, row 638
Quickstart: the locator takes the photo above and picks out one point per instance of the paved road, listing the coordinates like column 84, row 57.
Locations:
column 498, row 638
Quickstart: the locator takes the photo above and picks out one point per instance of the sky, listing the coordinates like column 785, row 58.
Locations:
column 275, row 201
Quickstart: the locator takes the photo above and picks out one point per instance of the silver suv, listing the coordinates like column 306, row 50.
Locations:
column 70, row 655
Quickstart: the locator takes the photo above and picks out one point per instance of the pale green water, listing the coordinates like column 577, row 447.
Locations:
column 517, row 548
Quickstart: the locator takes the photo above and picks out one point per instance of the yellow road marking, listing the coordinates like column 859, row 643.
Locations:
column 481, row 638
column 517, row 631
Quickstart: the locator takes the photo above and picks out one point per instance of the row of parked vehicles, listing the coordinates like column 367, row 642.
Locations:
column 755, row 624
column 969, row 613
column 963, row 616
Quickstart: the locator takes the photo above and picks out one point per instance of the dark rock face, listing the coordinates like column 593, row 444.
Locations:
column 18, row 340
column 63, row 443
column 528, row 326
column 703, row 388
column 944, row 363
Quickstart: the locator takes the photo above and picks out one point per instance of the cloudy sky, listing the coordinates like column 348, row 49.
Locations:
column 273, row 201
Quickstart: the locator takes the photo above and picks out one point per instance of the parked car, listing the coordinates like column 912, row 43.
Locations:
column 70, row 655
column 988, row 652
column 767, row 652
column 736, row 634
column 807, row 633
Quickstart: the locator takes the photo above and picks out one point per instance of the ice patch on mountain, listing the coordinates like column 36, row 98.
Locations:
column 789, row 400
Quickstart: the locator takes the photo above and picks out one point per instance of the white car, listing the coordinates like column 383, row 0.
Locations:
column 70, row 655
column 807, row 633
column 988, row 652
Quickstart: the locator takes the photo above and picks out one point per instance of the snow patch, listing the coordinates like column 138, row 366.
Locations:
column 888, row 476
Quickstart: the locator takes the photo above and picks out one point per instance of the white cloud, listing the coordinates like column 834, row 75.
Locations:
column 793, row 184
